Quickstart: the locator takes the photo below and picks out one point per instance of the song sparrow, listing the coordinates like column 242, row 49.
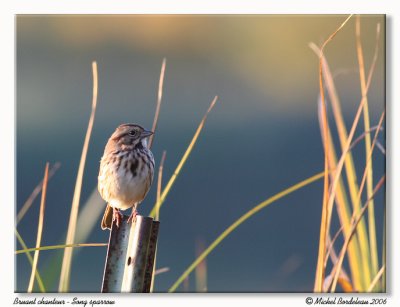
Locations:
column 126, row 172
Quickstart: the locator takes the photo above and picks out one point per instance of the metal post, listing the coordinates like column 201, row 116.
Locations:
column 130, row 254
column 151, row 256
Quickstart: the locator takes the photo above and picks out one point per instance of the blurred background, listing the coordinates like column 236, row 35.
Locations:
column 261, row 137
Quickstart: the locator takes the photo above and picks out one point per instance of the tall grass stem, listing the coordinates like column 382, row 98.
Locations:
column 67, row 259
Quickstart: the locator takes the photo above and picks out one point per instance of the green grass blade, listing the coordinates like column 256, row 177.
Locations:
column 182, row 162
column 357, row 216
column 39, row 229
column 364, row 179
column 238, row 222
column 30, row 259
column 371, row 211
column 60, row 246
column 376, row 279
column 344, row 208
column 343, row 211
column 361, row 230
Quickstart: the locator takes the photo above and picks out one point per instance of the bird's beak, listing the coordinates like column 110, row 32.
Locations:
column 146, row 133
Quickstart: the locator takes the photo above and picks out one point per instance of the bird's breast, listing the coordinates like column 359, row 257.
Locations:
column 126, row 180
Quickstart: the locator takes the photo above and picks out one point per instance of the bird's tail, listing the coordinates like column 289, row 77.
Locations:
column 106, row 222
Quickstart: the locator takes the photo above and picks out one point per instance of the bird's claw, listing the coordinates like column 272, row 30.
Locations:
column 132, row 217
column 117, row 217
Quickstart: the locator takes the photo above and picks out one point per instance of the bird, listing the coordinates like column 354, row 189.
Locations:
column 126, row 172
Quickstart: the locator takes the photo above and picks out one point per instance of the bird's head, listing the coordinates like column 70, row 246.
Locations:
column 129, row 136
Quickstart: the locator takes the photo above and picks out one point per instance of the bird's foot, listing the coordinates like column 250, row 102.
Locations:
column 133, row 215
column 117, row 217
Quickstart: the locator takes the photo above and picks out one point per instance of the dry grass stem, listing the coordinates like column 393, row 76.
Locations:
column 40, row 229
column 28, row 203
column 342, row 207
column 159, row 184
column 159, row 98
column 340, row 164
column 67, row 259
column 369, row 157
column 161, row 270
column 320, row 272
column 376, row 279
column 369, row 170
column 157, row 217
column 356, row 219
column 367, row 167
column 361, row 276
column 362, row 136
column 330, row 250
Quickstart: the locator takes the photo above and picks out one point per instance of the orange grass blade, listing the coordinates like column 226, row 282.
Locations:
column 346, row 285
column 343, row 213
column 183, row 160
column 320, row 272
column 40, row 229
column 368, row 160
column 67, row 259
column 343, row 207
column 358, row 277
column 332, row 254
column 341, row 162
column 341, row 127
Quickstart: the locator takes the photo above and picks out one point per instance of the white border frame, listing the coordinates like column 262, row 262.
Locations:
column 8, row 9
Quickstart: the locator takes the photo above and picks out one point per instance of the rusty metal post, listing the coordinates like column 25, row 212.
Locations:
column 130, row 254
column 115, row 259
column 148, row 277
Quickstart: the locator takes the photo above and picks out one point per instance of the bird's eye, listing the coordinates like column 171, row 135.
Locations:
column 132, row 133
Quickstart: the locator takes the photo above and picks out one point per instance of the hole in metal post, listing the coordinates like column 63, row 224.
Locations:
column 129, row 261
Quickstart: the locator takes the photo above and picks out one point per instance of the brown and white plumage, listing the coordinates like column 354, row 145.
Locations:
column 126, row 170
